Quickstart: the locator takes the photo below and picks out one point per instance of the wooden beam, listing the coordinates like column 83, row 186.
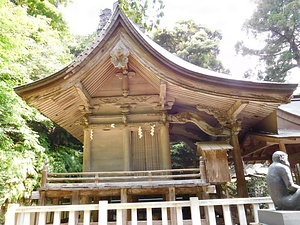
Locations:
column 276, row 139
column 294, row 159
column 236, row 109
column 185, row 117
column 125, row 85
column 163, row 94
column 264, row 138
column 119, row 100
column 124, row 76
column 255, row 149
column 252, row 159
column 220, row 115
column 290, row 140
column 165, row 102
column 189, row 141
column 83, row 94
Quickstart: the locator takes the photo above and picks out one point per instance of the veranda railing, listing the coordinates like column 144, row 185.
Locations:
column 120, row 176
column 81, row 214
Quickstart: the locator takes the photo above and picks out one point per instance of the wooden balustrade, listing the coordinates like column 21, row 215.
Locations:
column 37, row 215
column 95, row 177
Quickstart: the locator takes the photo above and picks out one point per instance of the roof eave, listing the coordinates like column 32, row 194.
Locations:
column 179, row 66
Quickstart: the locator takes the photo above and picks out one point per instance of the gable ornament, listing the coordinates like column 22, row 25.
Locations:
column 119, row 56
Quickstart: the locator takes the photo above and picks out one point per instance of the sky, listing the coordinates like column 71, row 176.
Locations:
column 227, row 16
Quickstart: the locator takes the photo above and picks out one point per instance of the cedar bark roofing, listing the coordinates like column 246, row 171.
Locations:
column 180, row 67
column 56, row 96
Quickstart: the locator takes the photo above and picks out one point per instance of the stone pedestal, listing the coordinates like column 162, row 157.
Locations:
column 278, row 217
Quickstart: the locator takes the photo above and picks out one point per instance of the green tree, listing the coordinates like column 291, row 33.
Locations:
column 80, row 42
column 21, row 155
column 64, row 152
column 277, row 24
column 48, row 9
column 193, row 43
column 30, row 48
column 144, row 12
column 257, row 186
column 183, row 156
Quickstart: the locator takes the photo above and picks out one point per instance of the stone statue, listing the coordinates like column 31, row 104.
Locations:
column 284, row 193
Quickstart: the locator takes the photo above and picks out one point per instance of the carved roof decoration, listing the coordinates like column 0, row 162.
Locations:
column 124, row 73
column 119, row 56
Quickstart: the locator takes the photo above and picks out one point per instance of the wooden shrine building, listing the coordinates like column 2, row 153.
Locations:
column 126, row 98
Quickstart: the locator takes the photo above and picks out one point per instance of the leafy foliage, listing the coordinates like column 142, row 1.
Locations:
column 193, row 43
column 65, row 160
column 64, row 152
column 80, row 42
column 21, row 155
column 182, row 156
column 257, row 186
column 27, row 140
column 277, row 23
column 144, row 12
column 30, row 48
column 46, row 8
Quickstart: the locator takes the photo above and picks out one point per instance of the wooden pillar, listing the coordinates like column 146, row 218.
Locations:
column 125, row 85
column 202, row 169
column 203, row 194
column 171, row 196
column 282, row 146
column 87, row 150
column 297, row 173
column 124, row 199
column 165, row 147
column 55, row 201
column 127, row 148
column 238, row 165
column 75, row 201
column 41, row 202
column 42, row 199
column 95, row 213
column 84, row 200
column 44, row 174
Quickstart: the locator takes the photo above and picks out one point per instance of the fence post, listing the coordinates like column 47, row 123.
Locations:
column 45, row 174
column 227, row 214
column 202, row 168
column 255, row 213
column 11, row 214
column 271, row 205
column 102, row 216
column 242, row 214
column 195, row 211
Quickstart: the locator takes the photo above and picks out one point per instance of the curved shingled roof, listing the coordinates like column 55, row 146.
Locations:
column 67, row 95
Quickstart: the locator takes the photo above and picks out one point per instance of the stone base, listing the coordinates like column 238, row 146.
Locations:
column 278, row 217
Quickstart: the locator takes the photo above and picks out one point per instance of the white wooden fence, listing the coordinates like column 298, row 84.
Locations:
column 235, row 207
